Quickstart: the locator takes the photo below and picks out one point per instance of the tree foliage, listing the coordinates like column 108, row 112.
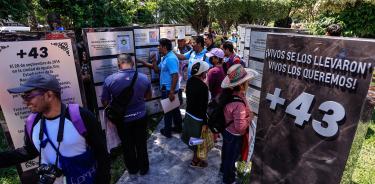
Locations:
column 355, row 15
column 225, row 12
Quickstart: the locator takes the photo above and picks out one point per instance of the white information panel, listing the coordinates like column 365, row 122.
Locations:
column 245, row 57
column 242, row 34
column 253, row 97
column 19, row 61
column 110, row 43
column 180, row 32
column 188, row 30
column 101, row 69
column 167, row 32
column 247, row 37
column 257, row 66
column 99, row 91
column 145, row 37
column 258, row 44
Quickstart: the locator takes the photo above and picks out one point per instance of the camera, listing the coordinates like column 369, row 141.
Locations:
column 48, row 173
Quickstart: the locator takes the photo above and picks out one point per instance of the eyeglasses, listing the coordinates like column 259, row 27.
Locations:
column 30, row 96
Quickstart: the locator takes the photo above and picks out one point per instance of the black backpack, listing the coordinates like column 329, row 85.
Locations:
column 216, row 120
column 116, row 109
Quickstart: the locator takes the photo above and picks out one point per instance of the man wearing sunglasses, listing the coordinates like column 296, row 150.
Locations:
column 54, row 137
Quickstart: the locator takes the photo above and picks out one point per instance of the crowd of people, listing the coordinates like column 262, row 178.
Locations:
column 71, row 145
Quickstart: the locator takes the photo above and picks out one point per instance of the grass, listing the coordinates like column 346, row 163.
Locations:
column 9, row 175
column 364, row 172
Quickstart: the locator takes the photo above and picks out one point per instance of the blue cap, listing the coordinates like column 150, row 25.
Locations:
column 40, row 81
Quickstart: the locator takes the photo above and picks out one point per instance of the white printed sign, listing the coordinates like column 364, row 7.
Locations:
column 167, row 32
column 101, row 69
column 146, row 37
column 19, row 61
column 110, row 43
column 180, row 32
column 188, row 30
column 257, row 66
column 247, row 37
column 99, row 91
column 258, row 44
column 253, row 97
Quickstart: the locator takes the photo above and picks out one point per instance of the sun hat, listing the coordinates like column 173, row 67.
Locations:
column 199, row 67
column 237, row 75
column 216, row 52
column 41, row 81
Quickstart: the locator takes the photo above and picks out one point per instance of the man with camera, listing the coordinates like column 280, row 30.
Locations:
column 67, row 138
column 124, row 94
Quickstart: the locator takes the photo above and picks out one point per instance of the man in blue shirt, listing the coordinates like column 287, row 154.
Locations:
column 169, row 84
column 198, row 53
column 133, row 131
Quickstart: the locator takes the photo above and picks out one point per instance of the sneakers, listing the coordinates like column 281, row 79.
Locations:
column 163, row 132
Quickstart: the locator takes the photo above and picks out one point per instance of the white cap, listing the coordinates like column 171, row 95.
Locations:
column 199, row 67
column 180, row 37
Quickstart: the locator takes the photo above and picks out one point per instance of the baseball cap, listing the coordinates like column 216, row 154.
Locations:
column 199, row 67
column 40, row 81
column 181, row 37
column 216, row 52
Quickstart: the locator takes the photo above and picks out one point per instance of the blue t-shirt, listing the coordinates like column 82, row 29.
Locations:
column 115, row 83
column 169, row 66
column 192, row 56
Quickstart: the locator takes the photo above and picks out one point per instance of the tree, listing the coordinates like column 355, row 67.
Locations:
column 225, row 12
column 16, row 10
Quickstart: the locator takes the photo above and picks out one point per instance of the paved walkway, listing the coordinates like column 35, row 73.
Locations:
column 169, row 163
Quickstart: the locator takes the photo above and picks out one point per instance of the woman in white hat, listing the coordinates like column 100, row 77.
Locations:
column 237, row 117
column 196, row 107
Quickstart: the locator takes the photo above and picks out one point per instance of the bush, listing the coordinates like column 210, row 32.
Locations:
column 357, row 21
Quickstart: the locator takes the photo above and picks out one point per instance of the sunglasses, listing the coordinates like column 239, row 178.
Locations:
column 30, row 96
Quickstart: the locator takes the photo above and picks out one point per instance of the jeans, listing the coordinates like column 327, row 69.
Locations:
column 133, row 137
column 230, row 153
column 173, row 115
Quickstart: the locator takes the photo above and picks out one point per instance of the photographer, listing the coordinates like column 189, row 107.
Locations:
column 67, row 138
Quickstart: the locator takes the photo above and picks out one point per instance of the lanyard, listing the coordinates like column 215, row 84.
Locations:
column 43, row 130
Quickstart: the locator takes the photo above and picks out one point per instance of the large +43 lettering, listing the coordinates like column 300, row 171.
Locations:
column 299, row 108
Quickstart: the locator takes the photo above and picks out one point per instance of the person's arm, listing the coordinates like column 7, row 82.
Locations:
column 96, row 140
column 19, row 155
column 173, row 68
column 180, row 56
column 155, row 65
column 105, row 97
column 144, row 63
column 173, row 86
column 184, row 56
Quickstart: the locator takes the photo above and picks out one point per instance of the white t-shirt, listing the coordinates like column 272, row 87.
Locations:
column 73, row 143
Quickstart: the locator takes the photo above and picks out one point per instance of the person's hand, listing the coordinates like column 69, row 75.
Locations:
column 171, row 96
column 153, row 57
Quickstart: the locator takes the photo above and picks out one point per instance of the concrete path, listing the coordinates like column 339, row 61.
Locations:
column 169, row 163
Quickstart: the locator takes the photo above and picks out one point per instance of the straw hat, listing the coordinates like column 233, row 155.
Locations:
column 237, row 75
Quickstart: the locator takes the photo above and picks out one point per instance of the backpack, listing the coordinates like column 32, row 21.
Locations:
column 74, row 114
column 116, row 109
column 216, row 120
